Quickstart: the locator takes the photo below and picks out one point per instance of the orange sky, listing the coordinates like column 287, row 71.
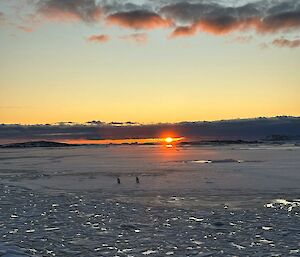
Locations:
column 161, row 62
column 129, row 141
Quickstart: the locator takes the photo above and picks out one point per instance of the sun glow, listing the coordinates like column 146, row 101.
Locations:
column 169, row 140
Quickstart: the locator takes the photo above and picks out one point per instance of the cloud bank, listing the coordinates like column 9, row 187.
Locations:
column 248, row 129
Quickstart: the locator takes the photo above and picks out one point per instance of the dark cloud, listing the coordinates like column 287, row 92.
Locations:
column 95, row 130
column 95, row 122
column 138, row 19
column 70, row 10
column 186, row 12
column 281, row 42
column 286, row 20
column 263, row 17
column 183, row 17
column 111, row 7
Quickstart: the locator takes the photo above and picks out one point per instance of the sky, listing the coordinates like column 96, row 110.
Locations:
column 148, row 61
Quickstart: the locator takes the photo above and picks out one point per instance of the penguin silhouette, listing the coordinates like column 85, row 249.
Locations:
column 137, row 180
column 119, row 181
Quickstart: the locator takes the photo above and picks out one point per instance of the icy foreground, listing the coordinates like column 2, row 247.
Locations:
column 7, row 250
column 67, row 202
column 82, row 225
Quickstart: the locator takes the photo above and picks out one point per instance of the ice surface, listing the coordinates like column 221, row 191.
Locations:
column 66, row 202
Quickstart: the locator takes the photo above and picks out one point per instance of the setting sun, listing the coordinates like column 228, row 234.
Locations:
column 169, row 140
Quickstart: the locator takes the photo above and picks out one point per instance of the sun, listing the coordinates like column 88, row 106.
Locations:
column 169, row 140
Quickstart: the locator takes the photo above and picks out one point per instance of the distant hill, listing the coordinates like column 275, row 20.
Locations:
column 36, row 144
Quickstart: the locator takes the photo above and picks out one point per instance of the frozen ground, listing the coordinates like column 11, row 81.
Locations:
column 192, row 201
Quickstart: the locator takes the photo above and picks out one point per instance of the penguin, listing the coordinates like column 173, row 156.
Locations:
column 137, row 180
column 119, row 181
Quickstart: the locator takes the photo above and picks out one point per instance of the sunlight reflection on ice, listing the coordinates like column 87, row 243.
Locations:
column 217, row 161
column 283, row 203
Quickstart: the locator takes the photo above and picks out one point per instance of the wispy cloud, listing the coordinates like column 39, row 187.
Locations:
column 2, row 17
column 25, row 28
column 139, row 38
column 243, row 39
column 98, row 38
column 69, row 10
column 282, row 42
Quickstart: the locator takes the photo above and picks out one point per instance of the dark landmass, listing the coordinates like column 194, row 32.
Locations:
column 221, row 142
column 274, row 139
column 37, row 144
column 32, row 144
